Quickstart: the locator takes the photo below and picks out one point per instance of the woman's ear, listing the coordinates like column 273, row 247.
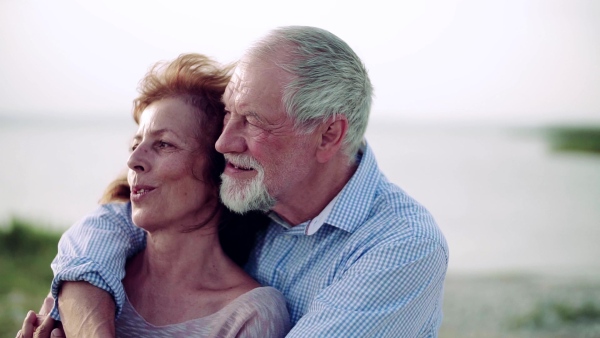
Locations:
column 332, row 134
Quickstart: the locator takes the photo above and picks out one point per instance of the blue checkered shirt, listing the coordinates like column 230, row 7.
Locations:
column 374, row 266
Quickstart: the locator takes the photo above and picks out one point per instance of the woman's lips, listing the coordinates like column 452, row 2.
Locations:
column 138, row 192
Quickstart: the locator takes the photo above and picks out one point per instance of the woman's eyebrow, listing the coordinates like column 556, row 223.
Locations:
column 155, row 133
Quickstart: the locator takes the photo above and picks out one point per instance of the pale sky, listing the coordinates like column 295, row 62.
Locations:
column 506, row 60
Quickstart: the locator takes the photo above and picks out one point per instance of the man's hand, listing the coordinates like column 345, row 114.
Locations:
column 86, row 311
column 40, row 325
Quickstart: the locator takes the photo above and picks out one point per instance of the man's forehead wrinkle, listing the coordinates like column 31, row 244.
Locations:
column 229, row 93
column 255, row 90
column 237, row 93
column 226, row 95
column 235, row 98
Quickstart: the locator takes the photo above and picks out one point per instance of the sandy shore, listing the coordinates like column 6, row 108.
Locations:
column 517, row 305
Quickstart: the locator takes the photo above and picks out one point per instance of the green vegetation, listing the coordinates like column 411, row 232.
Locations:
column 551, row 315
column 574, row 138
column 25, row 256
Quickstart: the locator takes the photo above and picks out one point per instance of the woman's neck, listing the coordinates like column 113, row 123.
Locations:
column 182, row 276
column 180, row 258
column 184, row 252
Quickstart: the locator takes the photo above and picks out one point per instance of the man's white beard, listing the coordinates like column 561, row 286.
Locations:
column 242, row 196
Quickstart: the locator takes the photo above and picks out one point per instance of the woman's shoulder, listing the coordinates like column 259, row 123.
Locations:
column 266, row 292
column 260, row 312
column 263, row 296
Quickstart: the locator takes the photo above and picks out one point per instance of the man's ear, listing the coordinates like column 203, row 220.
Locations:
column 332, row 134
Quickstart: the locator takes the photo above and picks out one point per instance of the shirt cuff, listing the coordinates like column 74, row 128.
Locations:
column 92, row 273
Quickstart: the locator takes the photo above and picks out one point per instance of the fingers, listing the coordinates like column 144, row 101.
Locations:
column 47, row 306
column 29, row 325
column 39, row 326
column 57, row 333
column 45, row 328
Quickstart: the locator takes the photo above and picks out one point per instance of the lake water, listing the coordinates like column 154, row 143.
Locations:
column 505, row 202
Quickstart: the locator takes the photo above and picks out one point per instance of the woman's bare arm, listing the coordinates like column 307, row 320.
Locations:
column 86, row 311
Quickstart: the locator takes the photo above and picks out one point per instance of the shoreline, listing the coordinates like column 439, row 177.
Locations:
column 521, row 305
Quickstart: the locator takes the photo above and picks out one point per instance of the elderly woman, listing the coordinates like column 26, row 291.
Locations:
column 186, row 282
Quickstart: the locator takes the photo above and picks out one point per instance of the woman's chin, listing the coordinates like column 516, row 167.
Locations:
column 142, row 220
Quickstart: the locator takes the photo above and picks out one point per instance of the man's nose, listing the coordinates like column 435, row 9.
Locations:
column 232, row 139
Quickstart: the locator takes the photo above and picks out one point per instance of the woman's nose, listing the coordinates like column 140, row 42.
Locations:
column 137, row 160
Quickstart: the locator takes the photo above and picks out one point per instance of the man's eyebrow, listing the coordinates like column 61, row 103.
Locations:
column 253, row 114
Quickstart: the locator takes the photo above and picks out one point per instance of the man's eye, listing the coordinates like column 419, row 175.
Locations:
column 251, row 120
column 133, row 147
column 162, row 144
column 254, row 120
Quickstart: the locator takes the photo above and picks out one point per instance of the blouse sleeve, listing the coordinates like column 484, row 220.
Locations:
column 261, row 312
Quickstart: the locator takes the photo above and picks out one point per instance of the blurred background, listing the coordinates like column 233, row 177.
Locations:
column 487, row 112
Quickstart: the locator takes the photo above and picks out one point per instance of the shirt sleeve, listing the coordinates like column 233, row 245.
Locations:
column 96, row 249
column 392, row 290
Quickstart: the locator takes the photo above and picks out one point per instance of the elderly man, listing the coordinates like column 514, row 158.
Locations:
column 352, row 253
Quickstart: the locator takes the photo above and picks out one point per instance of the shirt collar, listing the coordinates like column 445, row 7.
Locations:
column 311, row 226
column 356, row 199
